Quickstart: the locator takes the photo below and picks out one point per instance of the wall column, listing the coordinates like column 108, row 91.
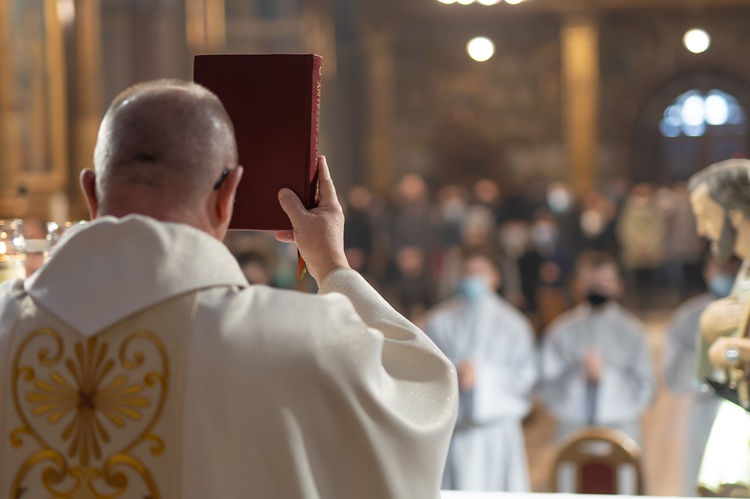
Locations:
column 205, row 26
column 10, row 137
column 380, row 110
column 580, row 67
column 88, row 110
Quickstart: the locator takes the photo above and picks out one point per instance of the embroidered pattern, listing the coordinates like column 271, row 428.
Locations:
column 87, row 411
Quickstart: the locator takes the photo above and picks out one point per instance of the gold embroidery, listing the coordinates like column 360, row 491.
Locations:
column 81, row 400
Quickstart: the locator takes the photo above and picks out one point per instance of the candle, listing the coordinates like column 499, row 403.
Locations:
column 12, row 270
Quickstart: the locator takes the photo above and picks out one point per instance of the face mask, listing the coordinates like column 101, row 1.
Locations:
column 720, row 285
column 597, row 299
column 559, row 200
column 473, row 288
column 543, row 234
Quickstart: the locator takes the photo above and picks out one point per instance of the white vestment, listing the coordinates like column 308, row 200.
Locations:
column 487, row 450
column 626, row 387
column 680, row 373
column 139, row 362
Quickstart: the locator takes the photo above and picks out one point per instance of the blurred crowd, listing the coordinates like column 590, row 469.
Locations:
column 408, row 243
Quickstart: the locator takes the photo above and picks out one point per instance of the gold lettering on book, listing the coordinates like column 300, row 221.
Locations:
column 317, row 113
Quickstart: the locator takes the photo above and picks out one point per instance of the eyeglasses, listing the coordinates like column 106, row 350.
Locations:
column 221, row 178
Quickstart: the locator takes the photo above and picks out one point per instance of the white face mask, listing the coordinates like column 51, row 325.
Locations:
column 559, row 200
column 473, row 288
column 543, row 234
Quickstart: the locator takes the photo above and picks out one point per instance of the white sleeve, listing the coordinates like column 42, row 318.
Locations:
column 680, row 353
column 564, row 386
column 503, row 385
column 625, row 392
column 407, row 389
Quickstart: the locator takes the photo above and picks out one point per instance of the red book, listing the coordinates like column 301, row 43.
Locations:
column 274, row 103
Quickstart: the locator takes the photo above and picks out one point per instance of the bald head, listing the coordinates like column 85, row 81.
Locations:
column 161, row 147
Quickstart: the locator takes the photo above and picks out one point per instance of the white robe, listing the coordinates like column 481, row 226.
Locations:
column 627, row 384
column 272, row 394
column 487, row 450
column 680, row 373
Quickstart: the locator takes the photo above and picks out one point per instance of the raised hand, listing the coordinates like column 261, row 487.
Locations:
column 318, row 233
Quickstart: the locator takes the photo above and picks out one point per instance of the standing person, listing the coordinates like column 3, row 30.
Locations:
column 680, row 365
column 685, row 248
column 413, row 236
column 641, row 231
column 358, row 230
column 491, row 344
column 596, row 364
column 138, row 362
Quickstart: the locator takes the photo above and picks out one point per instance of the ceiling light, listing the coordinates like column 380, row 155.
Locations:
column 697, row 41
column 480, row 49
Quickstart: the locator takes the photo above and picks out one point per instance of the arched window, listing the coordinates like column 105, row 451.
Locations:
column 696, row 113
column 698, row 128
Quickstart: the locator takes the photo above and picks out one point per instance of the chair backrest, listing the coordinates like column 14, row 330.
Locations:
column 95, row 416
column 598, row 461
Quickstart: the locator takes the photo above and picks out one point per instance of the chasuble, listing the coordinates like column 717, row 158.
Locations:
column 138, row 362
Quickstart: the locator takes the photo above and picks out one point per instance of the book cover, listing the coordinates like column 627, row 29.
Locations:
column 274, row 103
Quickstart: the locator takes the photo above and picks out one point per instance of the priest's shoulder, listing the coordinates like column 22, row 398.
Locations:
column 260, row 310
column 11, row 291
column 12, row 294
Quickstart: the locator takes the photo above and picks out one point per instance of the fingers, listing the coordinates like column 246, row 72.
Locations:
column 717, row 351
column 285, row 236
column 292, row 206
column 326, row 188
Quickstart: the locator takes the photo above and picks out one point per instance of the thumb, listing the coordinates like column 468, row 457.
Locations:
column 291, row 205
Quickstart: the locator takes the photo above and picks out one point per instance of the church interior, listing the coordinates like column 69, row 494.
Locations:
column 535, row 129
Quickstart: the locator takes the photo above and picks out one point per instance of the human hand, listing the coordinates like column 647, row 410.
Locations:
column 721, row 318
column 318, row 233
column 593, row 365
column 467, row 376
column 717, row 354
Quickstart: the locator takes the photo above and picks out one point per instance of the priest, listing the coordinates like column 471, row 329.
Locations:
column 139, row 362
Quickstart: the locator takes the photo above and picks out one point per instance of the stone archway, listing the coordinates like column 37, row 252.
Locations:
column 656, row 159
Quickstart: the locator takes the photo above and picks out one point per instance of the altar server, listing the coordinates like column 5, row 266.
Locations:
column 492, row 345
column 596, row 362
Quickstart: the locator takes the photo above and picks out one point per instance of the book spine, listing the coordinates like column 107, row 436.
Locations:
column 312, row 170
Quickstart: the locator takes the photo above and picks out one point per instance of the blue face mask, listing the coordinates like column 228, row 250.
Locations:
column 720, row 285
column 472, row 288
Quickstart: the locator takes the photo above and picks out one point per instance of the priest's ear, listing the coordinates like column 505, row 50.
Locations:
column 225, row 192
column 88, row 185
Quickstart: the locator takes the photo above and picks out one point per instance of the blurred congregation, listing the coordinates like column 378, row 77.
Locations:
column 409, row 242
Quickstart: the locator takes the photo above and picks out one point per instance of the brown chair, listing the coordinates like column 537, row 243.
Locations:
column 598, row 461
